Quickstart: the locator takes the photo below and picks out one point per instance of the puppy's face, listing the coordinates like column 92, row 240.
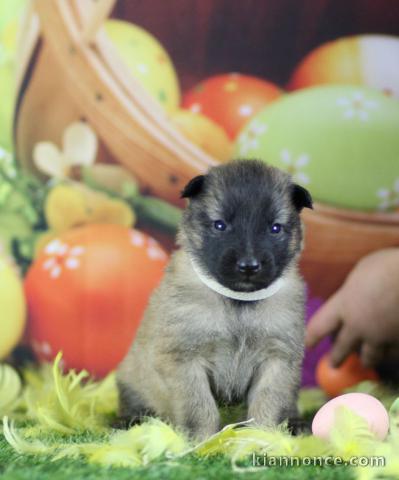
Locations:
column 242, row 223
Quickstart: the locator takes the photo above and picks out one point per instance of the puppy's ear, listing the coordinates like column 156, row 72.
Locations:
column 301, row 198
column 193, row 187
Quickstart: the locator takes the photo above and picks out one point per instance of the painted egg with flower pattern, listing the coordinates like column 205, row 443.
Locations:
column 231, row 99
column 146, row 60
column 340, row 142
column 87, row 292
column 369, row 60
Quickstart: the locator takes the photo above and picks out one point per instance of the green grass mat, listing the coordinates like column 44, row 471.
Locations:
column 28, row 467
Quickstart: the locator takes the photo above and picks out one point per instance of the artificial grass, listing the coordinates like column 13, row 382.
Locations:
column 34, row 467
column 65, row 419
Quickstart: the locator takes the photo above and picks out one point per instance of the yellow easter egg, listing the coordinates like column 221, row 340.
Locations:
column 13, row 309
column 147, row 60
column 204, row 132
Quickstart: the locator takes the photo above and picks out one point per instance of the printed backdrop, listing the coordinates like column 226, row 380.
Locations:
column 309, row 86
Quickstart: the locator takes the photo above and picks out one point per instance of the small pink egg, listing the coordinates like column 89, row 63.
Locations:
column 366, row 406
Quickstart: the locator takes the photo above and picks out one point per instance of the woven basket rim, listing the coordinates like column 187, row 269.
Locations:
column 381, row 218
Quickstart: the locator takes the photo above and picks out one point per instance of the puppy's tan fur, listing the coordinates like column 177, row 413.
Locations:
column 195, row 348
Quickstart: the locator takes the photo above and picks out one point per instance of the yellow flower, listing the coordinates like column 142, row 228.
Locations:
column 65, row 208
column 72, row 205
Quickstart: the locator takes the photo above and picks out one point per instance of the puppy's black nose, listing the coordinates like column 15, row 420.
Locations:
column 249, row 266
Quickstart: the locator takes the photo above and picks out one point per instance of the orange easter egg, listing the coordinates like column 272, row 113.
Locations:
column 231, row 100
column 370, row 60
column 335, row 380
column 87, row 291
column 204, row 132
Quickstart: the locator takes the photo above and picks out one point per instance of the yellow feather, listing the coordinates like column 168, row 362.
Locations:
column 10, row 389
column 18, row 443
column 70, row 402
column 350, row 435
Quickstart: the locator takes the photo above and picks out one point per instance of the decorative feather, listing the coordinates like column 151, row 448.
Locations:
column 10, row 389
column 20, row 444
column 394, row 421
column 350, row 435
column 71, row 402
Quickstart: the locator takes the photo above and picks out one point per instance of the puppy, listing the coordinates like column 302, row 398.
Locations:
column 226, row 324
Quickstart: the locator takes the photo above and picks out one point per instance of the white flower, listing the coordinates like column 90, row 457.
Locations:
column 389, row 197
column 196, row 107
column 137, row 238
column 357, row 106
column 246, row 110
column 294, row 166
column 249, row 139
column 61, row 256
column 79, row 147
column 154, row 250
column 56, row 247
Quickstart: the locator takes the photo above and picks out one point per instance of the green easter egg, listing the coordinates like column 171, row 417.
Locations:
column 340, row 142
column 147, row 60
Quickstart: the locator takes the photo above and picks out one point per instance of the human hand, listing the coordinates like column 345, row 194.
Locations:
column 363, row 313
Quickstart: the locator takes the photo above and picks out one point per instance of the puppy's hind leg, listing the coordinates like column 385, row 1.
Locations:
column 132, row 408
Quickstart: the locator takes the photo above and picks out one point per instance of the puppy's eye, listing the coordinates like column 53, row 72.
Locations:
column 276, row 228
column 220, row 225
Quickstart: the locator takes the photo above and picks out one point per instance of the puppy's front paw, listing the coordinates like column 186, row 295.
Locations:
column 270, row 418
column 201, row 427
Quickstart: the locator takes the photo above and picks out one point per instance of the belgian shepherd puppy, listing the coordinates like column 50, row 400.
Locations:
column 226, row 324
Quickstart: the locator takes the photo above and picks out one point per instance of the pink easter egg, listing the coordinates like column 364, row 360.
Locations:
column 366, row 406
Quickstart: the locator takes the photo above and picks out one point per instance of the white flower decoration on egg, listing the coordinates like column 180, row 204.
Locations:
column 389, row 197
column 249, row 139
column 61, row 256
column 79, row 148
column 246, row 110
column 357, row 107
column 196, row 107
column 295, row 166
column 153, row 248
column 155, row 251
column 137, row 238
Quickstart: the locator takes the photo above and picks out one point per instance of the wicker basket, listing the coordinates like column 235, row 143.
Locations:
column 69, row 70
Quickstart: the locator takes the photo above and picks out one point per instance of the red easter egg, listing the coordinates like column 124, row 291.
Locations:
column 231, row 100
column 335, row 380
column 87, row 292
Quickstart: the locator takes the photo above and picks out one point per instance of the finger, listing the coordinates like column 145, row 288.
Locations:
column 345, row 343
column 371, row 355
column 325, row 321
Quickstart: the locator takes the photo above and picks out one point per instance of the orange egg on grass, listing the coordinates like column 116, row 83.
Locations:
column 87, row 291
column 335, row 380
